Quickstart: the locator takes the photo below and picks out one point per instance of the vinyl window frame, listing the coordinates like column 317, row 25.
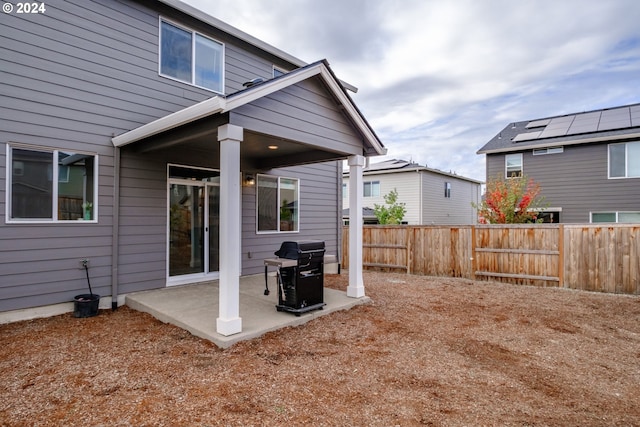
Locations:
column 54, row 172
column 506, row 165
column 616, row 215
column 194, row 35
column 374, row 188
column 626, row 145
column 296, row 220
column 546, row 151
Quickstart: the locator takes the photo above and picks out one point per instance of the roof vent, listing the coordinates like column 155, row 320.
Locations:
column 253, row 82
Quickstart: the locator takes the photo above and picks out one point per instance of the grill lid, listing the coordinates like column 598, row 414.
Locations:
column 293, row 249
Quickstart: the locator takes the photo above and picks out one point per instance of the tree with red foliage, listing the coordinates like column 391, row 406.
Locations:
column 510, row 201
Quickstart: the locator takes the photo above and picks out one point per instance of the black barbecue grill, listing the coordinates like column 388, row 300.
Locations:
column 301, row 285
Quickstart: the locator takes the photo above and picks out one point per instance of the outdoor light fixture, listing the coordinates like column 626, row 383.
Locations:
column 272, row 147
column 249, row 180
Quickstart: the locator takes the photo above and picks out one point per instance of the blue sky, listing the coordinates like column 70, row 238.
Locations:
column 438, row 78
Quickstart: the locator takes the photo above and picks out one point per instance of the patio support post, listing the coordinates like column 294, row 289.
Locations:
column 229, row 321
column 355, row 288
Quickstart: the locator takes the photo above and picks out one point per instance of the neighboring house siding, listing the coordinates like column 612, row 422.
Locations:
column 441, row 210
column 407, row 184
column 423, row 195
column 575, row 180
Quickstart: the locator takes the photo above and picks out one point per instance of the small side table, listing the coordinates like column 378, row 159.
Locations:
column 276, row 262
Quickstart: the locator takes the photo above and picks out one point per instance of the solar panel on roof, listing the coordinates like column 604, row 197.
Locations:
column 618, row 118
column 557, row 127
column 573, row 124
column 526, row 136
column 549, row 133
column 614, row 124
column 583, row 123
column 635, row 119
column 538, row 123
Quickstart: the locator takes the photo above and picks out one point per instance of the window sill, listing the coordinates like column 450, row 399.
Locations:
column 191, row 84
column 57, row 222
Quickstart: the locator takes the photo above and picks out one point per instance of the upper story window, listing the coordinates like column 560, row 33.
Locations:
column 447, row 190
column 51, row 185
column 277, row 204
column 624, row 160
column 344, row 189
column 371, row 189
column 191, row 57
column 513, row 165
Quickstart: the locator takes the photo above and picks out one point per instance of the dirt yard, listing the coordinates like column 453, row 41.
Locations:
column 427, row 351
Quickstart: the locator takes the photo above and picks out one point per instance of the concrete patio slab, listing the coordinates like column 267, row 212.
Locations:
column 195, row 308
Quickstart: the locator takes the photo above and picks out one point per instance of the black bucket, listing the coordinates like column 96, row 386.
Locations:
column 86, row 305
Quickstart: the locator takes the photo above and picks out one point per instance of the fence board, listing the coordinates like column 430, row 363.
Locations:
column 584, row 257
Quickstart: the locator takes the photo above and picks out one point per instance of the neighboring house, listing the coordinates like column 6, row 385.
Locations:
column 164, row 146
column 587, row 164
column 431, row 196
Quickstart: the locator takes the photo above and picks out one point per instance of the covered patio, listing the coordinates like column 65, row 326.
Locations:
column 189, row 307
column 300, row 118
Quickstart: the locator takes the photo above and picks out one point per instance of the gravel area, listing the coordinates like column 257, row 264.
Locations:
column 426, row 351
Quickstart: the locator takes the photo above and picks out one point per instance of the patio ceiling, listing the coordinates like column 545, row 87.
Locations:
column 258, row 151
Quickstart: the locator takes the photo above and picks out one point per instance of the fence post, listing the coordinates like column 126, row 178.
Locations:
column 473, row 252
column 409, row 238
column 561, row 256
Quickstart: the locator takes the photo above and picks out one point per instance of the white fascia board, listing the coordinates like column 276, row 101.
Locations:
column 608, row 138
column 301, row 75
column 353, row 111
column 197, row 111
column 233, row 31
column 269, row 87
column 345, row 174
column 214, row 22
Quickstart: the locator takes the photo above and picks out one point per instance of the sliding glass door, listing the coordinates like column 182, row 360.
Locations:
column 194, row 221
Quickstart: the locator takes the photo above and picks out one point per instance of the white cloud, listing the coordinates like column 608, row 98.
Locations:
column 438, row 78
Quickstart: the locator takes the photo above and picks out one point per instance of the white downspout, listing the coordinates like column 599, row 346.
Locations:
column 115, row 228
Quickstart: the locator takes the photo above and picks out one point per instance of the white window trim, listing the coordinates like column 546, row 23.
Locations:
column 278, row 231
column 616, row 213
column 372, row 182
column 194, row 277
column 549, row 150
column 626, row 163
column 54, row 194
column 506, row 172
column 193, row 55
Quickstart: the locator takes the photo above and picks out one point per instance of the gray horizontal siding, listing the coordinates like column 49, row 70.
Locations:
column 576, row 181
column 319, row 214
column 71, row 79
column 301, row 112
column 243, row 66
column 143, row 222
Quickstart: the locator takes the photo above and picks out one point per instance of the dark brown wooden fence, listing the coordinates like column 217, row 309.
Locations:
column 586, row 257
